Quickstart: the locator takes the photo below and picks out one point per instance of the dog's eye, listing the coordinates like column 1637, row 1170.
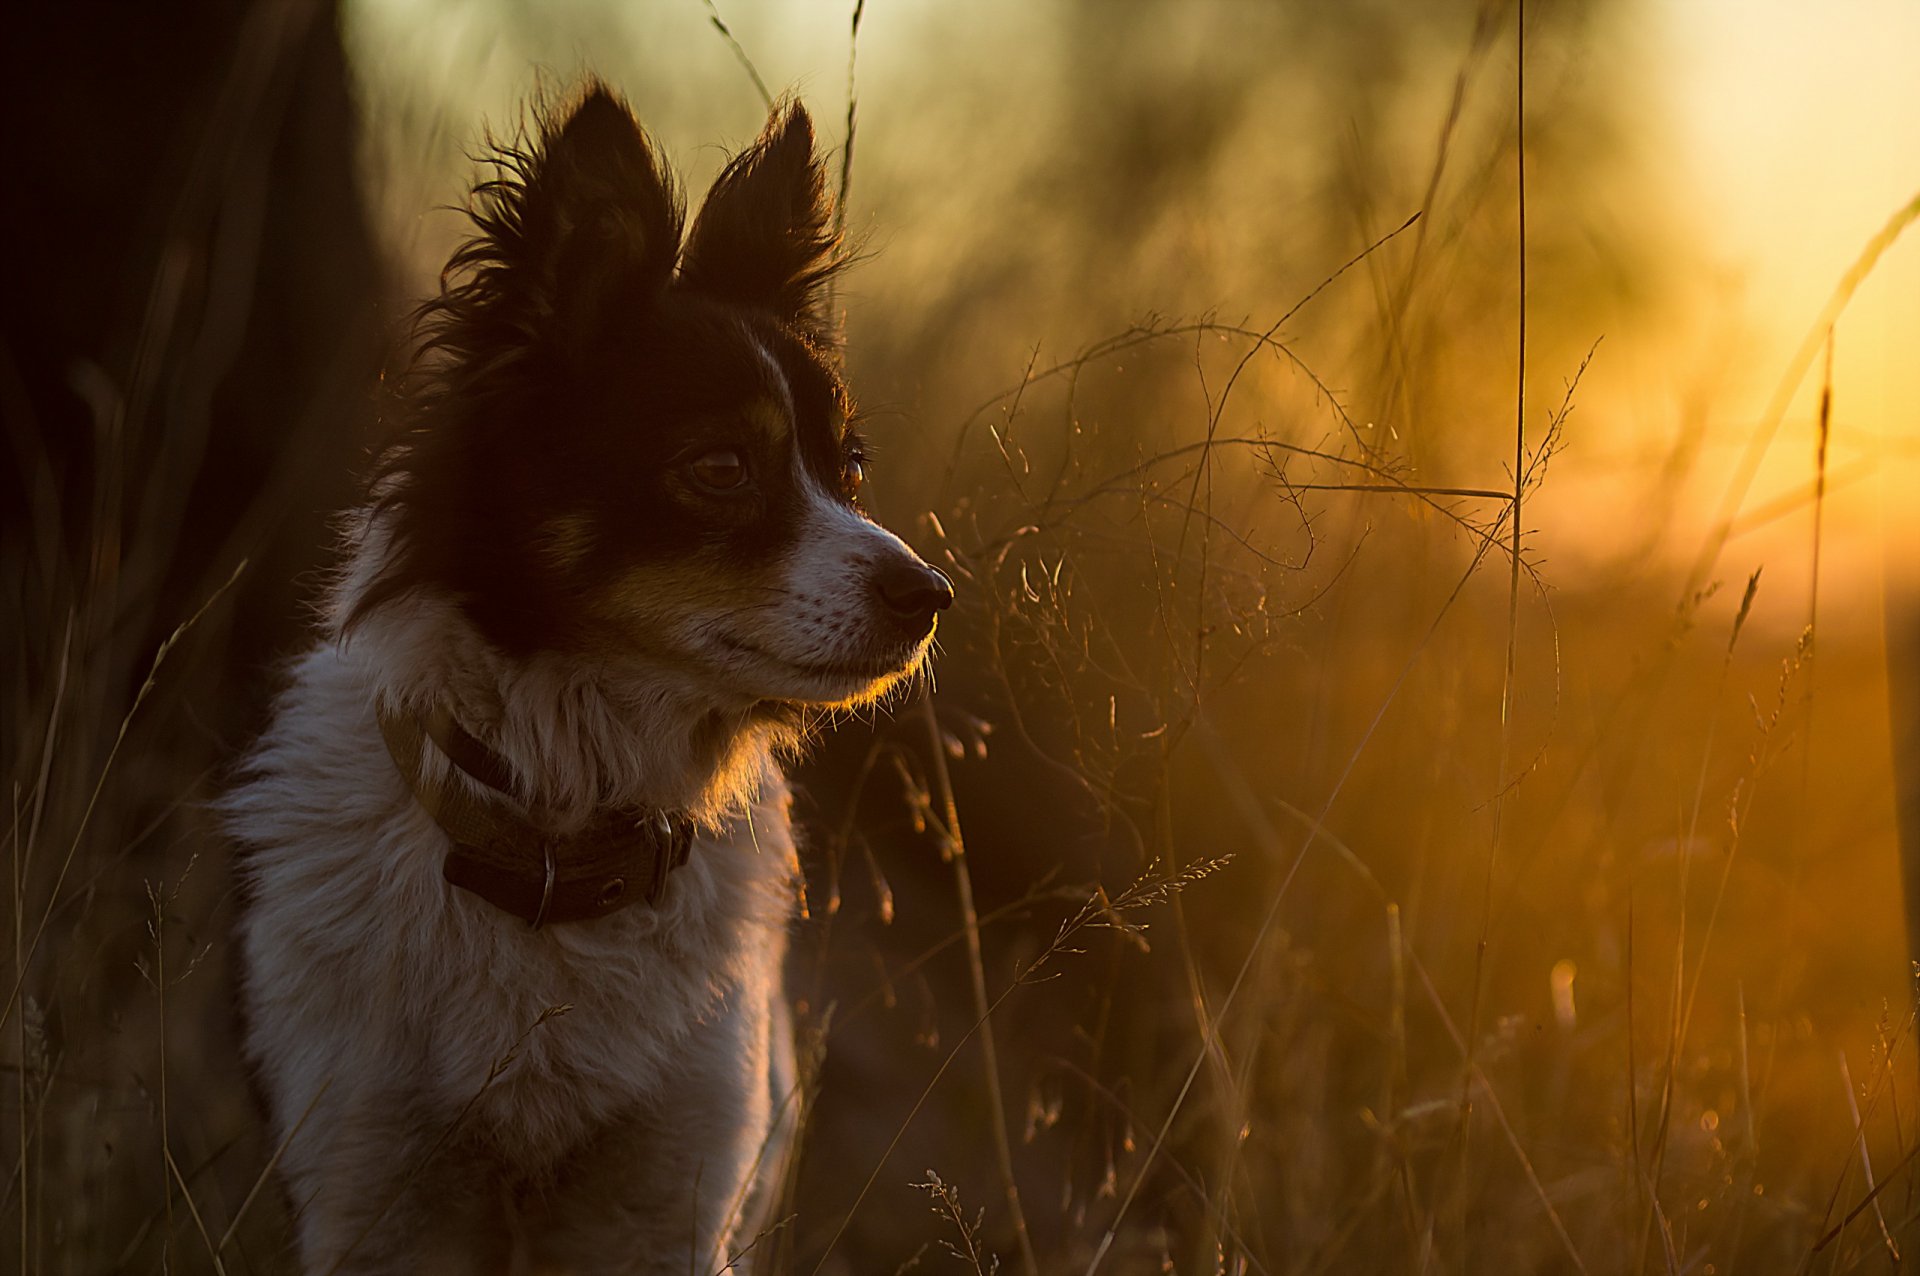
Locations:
column 856, row 474
column 721, row 470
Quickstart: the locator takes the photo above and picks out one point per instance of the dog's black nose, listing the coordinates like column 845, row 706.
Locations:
column 912, row 592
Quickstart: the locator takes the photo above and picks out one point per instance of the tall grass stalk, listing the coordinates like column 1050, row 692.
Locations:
column 1316, row 830
column 954, row 850
column 100, row 781
column 1099, row 911
column 1680, row 1006
column 1817, row 337
column 1507, row 682
column 739, row 52
column 1866, row 1160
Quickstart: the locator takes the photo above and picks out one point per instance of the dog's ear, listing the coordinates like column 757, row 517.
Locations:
column 764, row 237
column 600, row 218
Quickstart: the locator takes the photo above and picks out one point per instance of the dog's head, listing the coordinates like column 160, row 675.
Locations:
column 640, row 450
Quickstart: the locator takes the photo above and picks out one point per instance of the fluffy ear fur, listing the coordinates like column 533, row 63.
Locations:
column 601, row 210
column 585, row 221
column 579, row 228
column 764, row 237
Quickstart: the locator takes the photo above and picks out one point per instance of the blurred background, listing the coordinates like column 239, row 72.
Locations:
column 1339, row 891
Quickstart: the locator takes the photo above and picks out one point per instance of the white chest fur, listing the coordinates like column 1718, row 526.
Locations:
column 366, row 972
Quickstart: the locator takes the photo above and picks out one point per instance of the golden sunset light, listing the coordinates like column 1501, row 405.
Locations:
column 1224, row 637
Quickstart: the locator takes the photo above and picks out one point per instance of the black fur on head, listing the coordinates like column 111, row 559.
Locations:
column 573, row 337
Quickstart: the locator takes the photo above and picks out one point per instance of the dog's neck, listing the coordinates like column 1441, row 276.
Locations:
column 578, row 734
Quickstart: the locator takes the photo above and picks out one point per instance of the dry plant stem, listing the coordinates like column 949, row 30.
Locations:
column 1883, row 1076
column 1128, row 481
column 199, row 1224
column 1681, row 1009
column 853, row 104
column 1633, row 1096
column 1513, row 612
column 1819, row 510
column 1396, row 1086
column 1393, row 297
column 1743, row 1192
column 809, row 1053
column 1219, row 1202
column 20, row 1089
column 1098, row 911
column 93, row 800
column 836, row 849
column 976, row 968
column 739, row 52
column 1776, row 411
column 1832, row 1234
column 266, row 1171
column 1823, row 433
column 1219, row 406
column 160, row 991
column 1882, row 1083
column 17, row 862
column 1485, row 1083
column 892, row 976
column 23, row 852
column 21, row 863
column 1649, row 1176
column 1249, row 806
column 846, row 167
column 1793, row 501
column 1316, row 830
column 1246, row 1253
column 900, row 1132
column 1866, row 1159
column 787, row 1102
column 1394, row 358
column 1119, row 343
column 969, row 1250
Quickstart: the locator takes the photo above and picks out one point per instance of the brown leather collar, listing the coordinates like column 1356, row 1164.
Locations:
column 512, row 861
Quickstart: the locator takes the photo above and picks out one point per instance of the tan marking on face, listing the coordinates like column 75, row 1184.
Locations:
column 565, row 539
column 653, row 598
column 771, row 419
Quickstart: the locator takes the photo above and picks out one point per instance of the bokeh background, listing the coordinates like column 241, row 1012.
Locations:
column 1346, row 894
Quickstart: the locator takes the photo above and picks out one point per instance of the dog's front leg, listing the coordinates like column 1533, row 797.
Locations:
column 379, row 1191
column 680, row 1183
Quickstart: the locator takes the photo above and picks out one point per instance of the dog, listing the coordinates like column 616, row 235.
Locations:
column 516, row 854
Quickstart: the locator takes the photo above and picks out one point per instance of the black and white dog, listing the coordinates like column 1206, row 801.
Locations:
column 611, row 566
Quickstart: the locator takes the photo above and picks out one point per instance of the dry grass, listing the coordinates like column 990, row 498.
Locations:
column 1344, row 886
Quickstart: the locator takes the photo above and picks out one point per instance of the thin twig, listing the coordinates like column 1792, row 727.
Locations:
column 739, row 52
column 199, row 1224
column 266, row 1171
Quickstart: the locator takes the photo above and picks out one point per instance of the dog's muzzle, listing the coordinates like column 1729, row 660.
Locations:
column 910, row 593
